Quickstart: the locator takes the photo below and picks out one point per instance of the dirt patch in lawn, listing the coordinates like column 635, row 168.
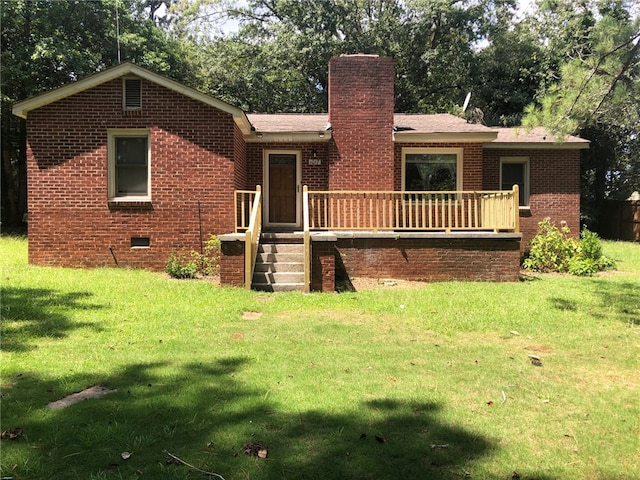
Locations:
column 365, row 283
column 92, row 392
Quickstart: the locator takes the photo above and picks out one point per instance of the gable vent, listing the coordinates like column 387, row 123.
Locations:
column 132, row 93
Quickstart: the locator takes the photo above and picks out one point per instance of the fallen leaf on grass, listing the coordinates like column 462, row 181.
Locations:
column 125, row 455
column 12, row 434
column 535, row 360
column 256, row 449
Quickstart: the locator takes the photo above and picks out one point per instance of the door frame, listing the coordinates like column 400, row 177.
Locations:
column 265, row 172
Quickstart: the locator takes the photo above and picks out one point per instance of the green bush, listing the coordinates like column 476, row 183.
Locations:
column 590, row 245
column 581, row 266
column 181, row 266
column 190, row 265
column 553, row 250
column 209, row 260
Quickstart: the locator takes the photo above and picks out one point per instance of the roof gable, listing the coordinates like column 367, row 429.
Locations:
column 23, row 108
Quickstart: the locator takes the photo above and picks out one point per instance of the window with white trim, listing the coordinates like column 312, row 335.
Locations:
column 431, row 169
column 129, row 164
column 515, row 171
column 131, row 93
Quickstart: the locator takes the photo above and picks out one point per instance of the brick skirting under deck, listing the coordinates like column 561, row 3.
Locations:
column 429, row 257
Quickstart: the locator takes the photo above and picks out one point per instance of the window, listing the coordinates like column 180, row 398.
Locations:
column 132, row 94
column 129, row 164
column 432, row 169
column 515, row 171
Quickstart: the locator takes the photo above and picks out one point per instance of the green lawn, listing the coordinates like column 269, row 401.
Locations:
column 427, row 383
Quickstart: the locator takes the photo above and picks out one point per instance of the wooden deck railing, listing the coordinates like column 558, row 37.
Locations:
column 243, row 202
column 306, row 239
column 416, row 211
column 495, row 210
column 389, row 210
column 252, row 237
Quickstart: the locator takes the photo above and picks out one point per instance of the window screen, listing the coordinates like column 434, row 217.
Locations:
column 132, row 172
column 515, row 173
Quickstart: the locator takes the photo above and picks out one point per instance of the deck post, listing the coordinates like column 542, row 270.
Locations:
column 516, row 208
column 307, row 239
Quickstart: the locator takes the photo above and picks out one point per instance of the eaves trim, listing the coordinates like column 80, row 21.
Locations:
column 537, row 145
column 288, row 137
column 457, row 137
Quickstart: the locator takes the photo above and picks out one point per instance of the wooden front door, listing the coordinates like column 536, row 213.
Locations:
column 283, row 190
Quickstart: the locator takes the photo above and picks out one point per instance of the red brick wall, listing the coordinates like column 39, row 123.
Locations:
column 240, row 159
column 432, row 259
column 554, row 187
column 361, row 105
column 232, row 263
column 192, row 178
column 315, row 176
column 323, row 267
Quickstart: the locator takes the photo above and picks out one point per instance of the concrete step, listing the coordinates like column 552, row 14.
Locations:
column 278, row 277
column 278, row 287
column 273, row 267
column 279, row 268
column 279, row 257
column 281, row 248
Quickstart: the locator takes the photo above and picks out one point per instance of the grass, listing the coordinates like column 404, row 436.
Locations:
column 434, row 382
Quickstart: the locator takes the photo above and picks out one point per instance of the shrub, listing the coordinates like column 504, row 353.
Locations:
column 582, row 266
column 590, row 245
column 209, row 260
column 194, row 263
column 181, row 266
column 552, row 250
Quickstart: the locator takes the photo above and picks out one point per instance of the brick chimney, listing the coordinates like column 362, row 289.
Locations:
column 361, row 114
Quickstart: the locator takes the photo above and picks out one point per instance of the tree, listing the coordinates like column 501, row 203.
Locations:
column 510, row 72
column 284, row 47
column 597, row 94
column 48, row 43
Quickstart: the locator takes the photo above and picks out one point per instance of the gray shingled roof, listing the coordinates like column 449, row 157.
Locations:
column 437, row 123
column 534, row 135
column 411, row 123
column 289, row 122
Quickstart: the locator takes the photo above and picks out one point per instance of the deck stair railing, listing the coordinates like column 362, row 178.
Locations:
column 243, row 205
column 248, row 209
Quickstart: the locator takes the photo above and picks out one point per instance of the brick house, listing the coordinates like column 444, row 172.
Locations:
column 126, row 166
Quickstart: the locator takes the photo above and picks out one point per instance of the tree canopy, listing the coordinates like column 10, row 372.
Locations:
column 571, row 66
